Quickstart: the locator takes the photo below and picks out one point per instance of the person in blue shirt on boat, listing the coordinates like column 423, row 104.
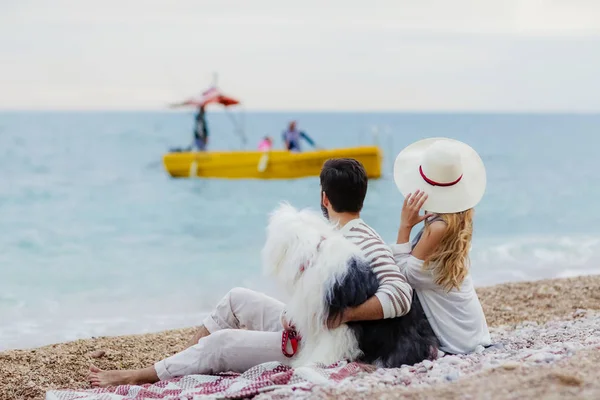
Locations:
column 292, row 137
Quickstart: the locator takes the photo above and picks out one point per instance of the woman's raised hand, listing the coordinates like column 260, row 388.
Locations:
column 411, row 210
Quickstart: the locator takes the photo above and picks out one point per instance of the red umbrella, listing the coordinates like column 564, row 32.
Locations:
column 210, row 96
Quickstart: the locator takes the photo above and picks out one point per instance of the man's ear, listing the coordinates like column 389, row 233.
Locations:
column 324, row 199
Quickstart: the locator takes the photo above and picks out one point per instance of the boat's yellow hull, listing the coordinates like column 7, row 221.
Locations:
column 276, row 164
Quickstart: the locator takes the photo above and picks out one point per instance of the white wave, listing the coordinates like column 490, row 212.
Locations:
column 531, row 258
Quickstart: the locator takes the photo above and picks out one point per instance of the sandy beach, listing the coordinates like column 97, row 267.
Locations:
column 547, row 328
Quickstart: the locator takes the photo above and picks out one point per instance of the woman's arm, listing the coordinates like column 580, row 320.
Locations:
column 411, row 262
column 410, row 215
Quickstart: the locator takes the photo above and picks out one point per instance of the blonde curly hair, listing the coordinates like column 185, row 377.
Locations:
column 449, row 261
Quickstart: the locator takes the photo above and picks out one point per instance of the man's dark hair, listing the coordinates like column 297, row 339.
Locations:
column 344, row 181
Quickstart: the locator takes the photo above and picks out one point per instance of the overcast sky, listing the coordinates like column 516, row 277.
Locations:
column 502, row 55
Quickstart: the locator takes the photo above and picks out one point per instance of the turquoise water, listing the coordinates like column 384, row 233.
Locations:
column 96, row 239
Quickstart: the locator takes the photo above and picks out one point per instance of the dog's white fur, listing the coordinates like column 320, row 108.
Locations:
column 298, row 238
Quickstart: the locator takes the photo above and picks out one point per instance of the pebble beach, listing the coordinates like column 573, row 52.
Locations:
column 546, row 338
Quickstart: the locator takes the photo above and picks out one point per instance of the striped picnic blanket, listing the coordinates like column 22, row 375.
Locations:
column 259, row 379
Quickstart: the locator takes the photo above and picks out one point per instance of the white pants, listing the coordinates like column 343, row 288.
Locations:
column 245, row 331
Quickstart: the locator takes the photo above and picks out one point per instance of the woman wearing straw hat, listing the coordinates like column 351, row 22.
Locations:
column 446, row 178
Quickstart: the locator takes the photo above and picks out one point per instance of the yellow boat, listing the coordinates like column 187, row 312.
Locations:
column 275, row 164
column 243, row 164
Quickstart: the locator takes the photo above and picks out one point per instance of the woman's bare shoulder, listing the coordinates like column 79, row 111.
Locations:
column 431, row 238
column 436, row 229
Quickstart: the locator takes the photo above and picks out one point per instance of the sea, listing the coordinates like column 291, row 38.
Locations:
column 96, row 239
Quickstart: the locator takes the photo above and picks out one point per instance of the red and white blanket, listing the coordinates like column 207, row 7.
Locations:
column 262, row 378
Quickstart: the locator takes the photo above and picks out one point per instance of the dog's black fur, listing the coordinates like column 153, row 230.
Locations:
column 388, row 343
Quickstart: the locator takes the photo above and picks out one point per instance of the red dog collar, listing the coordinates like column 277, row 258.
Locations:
column 293, row 337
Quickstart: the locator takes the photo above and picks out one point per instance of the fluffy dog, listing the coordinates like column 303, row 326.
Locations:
column 323, row 273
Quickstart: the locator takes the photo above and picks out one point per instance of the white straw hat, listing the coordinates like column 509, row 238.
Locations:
column 450, row 172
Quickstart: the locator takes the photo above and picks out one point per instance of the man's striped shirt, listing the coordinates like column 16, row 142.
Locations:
column 394, row 293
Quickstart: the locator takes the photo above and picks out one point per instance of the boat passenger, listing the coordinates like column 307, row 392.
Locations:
column 266, row 144
column 292, row 137
column 200, row 130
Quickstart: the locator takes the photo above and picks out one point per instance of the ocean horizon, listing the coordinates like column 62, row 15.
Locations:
column 96, row 239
